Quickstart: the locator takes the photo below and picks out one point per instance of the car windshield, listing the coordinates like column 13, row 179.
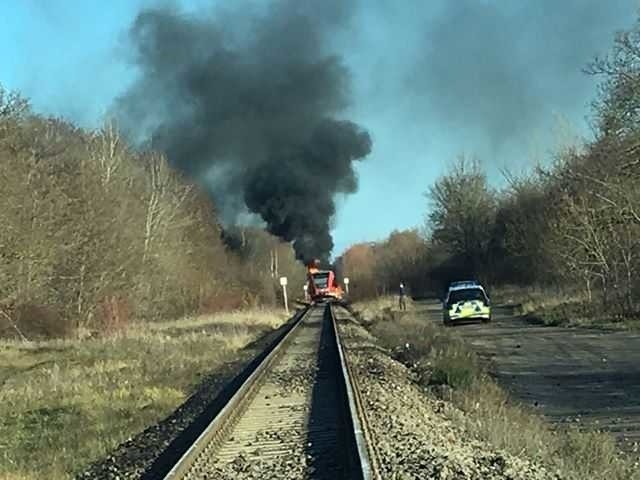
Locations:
column 464, row 283
column 466, row 295
column 321, row 280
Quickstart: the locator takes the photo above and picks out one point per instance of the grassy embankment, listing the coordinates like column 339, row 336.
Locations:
column 554, row 308
column 65, row 403
column 446, row 366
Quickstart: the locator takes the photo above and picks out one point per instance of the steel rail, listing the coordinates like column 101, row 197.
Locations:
column 185, row 462
column 356, row 413
column 218, row 440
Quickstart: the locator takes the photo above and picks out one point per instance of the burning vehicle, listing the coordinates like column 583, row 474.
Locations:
column 322, row 284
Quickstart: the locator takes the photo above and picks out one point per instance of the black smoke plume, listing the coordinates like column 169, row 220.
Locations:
column 249, row 103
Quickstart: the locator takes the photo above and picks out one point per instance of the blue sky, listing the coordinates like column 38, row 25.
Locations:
column 430, row 80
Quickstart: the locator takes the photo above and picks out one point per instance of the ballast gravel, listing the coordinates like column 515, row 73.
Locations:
column 272, row 439
column 410, row 431
column 411, row 434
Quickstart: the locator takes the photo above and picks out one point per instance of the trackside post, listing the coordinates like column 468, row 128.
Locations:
column 283, row 282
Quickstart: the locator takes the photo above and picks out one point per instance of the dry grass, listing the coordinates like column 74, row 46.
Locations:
column 71, row 402
column 491, row 415
column 241, row 318
column 440, row 357
column 554, row 307
column 381, row 306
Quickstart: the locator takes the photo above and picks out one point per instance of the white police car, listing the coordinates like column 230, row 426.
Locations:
column 466, row 300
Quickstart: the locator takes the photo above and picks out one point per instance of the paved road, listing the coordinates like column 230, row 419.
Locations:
column 588, row 377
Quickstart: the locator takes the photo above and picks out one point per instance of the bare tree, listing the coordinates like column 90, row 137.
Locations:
column 462, row 213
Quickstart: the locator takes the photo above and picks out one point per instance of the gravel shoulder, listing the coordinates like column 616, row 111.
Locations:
column 413, row 434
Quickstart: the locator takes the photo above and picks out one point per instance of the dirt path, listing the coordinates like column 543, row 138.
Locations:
column 588, row 377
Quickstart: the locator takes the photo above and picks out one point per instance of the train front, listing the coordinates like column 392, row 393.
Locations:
column 322, row 284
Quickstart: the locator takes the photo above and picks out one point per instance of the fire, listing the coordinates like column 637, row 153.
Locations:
column 313, row 266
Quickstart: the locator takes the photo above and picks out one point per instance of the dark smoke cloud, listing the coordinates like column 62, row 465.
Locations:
column 250, row 103
column 499, row 70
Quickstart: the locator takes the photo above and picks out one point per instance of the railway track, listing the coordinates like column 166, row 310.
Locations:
column 295, row 417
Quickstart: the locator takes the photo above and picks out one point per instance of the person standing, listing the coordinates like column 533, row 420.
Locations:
column 402, row 300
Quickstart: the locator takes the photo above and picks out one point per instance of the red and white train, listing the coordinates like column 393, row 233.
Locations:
column 322, row 284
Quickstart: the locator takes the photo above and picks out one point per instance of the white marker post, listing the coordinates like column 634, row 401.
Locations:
column 283, row 282
column 346, row 284
column 305, row 287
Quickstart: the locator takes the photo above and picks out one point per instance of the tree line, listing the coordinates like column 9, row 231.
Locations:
column 94, row 232
column 571, row 224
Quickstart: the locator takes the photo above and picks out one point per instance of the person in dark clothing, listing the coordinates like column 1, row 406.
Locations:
column 402, row 300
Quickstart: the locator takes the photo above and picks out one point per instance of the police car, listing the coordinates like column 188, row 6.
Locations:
column 466, row 300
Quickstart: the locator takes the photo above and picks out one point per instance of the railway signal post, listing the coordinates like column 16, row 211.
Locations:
column 346, row 284
column 283, row 283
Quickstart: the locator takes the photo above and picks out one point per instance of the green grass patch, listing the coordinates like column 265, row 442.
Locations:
column 64, row 404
